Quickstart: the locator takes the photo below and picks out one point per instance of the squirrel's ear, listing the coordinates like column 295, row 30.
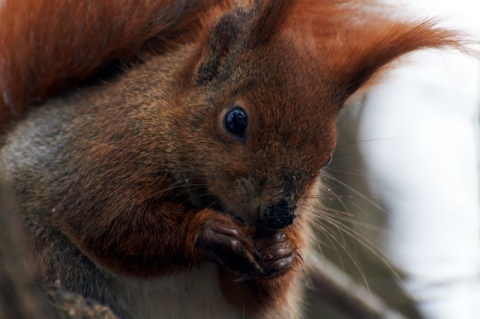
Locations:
column 241, row 29
column 271, row 15
column 221, row 43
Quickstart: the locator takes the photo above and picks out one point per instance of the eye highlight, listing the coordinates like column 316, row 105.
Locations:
column 236, row 122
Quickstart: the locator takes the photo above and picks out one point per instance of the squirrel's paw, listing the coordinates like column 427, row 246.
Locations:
column 278, row 253
column 225, row 243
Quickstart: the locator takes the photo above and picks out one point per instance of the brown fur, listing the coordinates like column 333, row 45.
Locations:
column 138, row 174
column 356, row 39
column 47, row 46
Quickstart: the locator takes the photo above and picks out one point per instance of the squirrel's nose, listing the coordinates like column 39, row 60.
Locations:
column 279, row 215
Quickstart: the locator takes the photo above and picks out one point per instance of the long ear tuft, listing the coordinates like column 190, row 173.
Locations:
column 355, row 40
column 368, row 59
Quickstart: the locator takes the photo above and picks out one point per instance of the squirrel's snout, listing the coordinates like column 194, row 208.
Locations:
column 279, row 215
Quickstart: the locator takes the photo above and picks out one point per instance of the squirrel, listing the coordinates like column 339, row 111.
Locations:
column 166, row 156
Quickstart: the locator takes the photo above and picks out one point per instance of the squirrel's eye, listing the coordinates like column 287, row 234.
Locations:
column 236, row 122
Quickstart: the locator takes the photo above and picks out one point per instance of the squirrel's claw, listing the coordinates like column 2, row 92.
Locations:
column 225, row 243
column 278, row 253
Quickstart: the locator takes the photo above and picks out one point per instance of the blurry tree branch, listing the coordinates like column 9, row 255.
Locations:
column 341, row 292
column 20, row 297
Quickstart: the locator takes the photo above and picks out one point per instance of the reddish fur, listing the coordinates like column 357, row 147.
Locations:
column 332, row 47
column 47, row 47
column 358, row 40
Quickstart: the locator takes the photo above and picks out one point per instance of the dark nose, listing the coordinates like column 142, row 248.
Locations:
column 279, row 215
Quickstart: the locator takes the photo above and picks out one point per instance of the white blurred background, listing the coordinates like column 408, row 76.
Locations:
column 405, row 179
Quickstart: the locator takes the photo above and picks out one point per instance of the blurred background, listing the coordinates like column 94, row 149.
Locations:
column 403, row 194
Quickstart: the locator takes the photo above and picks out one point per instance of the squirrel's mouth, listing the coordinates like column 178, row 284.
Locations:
column 277, row 215
column 202, row 199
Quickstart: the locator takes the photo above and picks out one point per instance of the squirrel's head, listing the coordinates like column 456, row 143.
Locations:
column 262, row 132
column 262, row 102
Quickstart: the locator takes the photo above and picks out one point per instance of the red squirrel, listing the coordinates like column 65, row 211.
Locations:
column 166, row 156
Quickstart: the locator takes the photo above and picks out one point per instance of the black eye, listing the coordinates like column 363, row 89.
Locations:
column 236, row 122
column 328, row 161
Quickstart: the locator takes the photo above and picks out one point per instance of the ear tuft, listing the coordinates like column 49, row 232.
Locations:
column 356, row 41
column 388, row 44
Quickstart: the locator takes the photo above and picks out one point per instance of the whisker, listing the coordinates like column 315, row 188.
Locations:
column 362, row 240
column 343, row 145
column 360, row 195
column 347, row 251
column 358, row 173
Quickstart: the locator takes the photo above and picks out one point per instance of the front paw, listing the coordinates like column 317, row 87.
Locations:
column 224, row 242
column 278, row 253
